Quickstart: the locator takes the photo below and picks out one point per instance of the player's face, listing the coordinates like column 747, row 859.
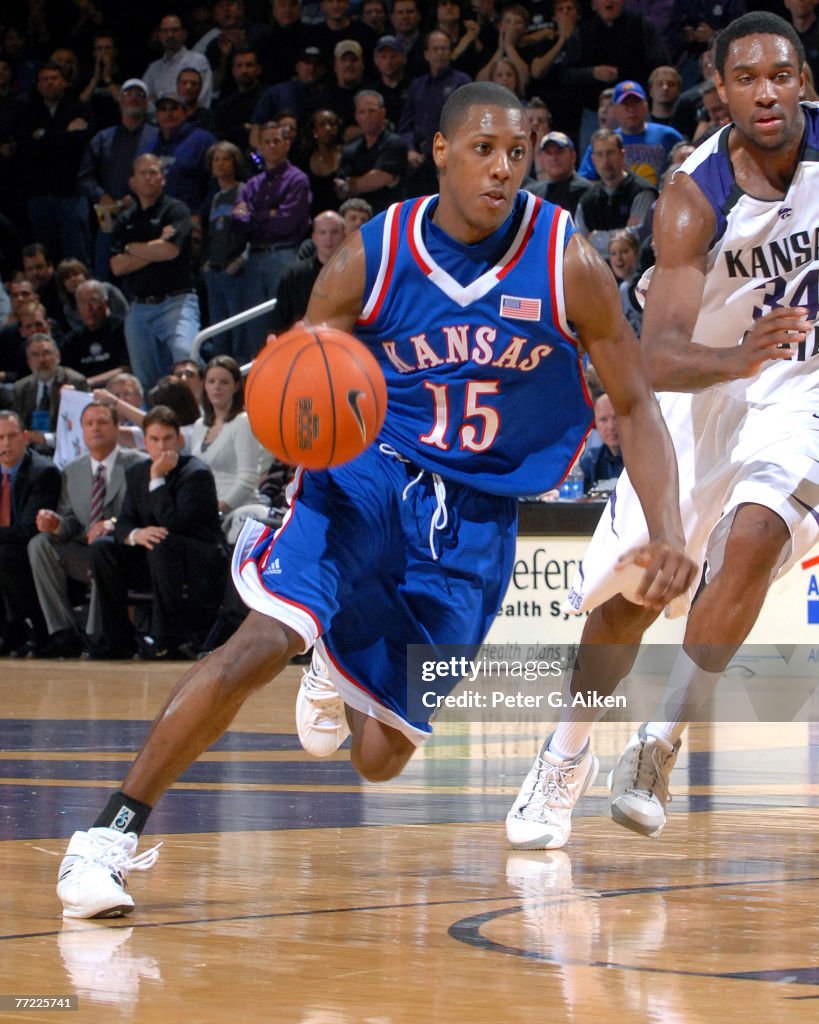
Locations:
column 762, row 84
column 481, row 166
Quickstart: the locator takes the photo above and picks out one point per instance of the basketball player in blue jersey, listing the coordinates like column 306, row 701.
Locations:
column 475, row 303
column 729, row 332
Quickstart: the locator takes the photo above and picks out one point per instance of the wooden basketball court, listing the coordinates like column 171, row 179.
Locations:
column 288, row 890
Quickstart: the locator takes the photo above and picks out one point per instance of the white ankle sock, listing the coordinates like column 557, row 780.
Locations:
column 688, row 688
column 569, row 739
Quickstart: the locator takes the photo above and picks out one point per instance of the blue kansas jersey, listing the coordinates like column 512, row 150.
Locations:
column 483, row 373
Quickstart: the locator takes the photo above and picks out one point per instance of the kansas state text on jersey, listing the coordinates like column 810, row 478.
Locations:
column 486, row 387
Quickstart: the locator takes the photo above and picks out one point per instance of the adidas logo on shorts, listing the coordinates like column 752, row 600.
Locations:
column 274, row 567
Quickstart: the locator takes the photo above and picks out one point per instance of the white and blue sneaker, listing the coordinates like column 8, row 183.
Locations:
column 91, row 881
column 639, row 783
column 541, row 817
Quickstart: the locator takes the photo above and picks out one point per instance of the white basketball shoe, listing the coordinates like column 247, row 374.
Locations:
column 541, row 817
column 320, row 718
column 91, row 881
column 639, row 783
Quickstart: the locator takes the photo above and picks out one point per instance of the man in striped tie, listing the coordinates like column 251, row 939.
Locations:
column 92, row 492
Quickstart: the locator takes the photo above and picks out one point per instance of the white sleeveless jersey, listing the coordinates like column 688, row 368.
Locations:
column 765, row 254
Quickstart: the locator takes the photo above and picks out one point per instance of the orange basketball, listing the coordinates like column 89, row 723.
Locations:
column 315, row 397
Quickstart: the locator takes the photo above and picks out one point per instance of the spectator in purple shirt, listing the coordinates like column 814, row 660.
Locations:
column 274, row 208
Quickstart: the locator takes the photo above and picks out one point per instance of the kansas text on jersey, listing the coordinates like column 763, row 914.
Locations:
column 484, row 379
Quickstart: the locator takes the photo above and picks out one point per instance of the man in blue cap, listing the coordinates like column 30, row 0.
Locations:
column 647, row 144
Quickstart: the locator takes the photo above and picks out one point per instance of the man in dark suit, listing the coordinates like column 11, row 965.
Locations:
column 167, row 538
column 28, row 482
column 37, row 397
column 93, row 490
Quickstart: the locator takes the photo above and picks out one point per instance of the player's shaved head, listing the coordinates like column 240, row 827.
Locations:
column 480, row 94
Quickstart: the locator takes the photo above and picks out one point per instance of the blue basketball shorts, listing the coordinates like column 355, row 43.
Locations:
column 373, row 556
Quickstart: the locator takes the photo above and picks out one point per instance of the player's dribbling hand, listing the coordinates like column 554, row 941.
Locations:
column 667, row 572
column 773, row 336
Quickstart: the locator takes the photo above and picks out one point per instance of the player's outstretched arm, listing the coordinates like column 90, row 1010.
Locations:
column 593, row 306
column 684, row 226
column 337, row 296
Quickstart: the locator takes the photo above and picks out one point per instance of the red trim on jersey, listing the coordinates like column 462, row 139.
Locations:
column 270, row 552
column 809, row 564
column 574, row 458
column 293, row 604
column 519, row 252
column 413, row 217
column 385, row 284
column 552, row 263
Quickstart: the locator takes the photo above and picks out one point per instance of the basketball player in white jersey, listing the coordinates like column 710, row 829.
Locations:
column 729, row 327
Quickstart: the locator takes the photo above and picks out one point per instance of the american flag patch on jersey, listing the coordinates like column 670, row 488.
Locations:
column 514, row 308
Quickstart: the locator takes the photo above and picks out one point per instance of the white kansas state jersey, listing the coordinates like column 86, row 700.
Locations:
column 764, row 255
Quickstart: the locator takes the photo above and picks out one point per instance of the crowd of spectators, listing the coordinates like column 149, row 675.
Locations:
column 152, row 184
